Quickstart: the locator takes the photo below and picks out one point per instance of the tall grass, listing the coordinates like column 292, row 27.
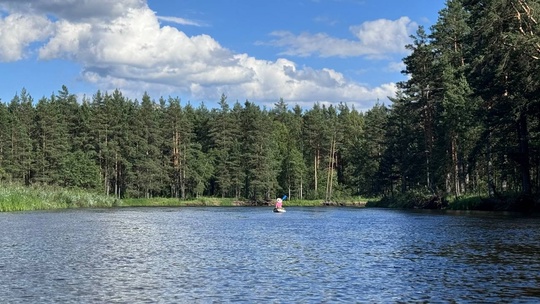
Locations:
column 175, row 202
column 226, row 202
column 20, row 198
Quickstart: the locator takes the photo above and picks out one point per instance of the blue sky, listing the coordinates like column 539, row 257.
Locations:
column 303, row 51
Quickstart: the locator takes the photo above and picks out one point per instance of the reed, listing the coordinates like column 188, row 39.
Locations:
column 349, row 202
column 175, row 202
column 227, row 202
column 20, row 198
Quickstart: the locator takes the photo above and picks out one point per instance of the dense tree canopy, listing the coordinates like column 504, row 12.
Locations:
column 466, row 121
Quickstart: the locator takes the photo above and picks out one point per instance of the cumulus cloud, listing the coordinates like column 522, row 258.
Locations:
column 126, row 47
column 375, row 39
column 74, row 10
column 385, row 36
column 18, row 31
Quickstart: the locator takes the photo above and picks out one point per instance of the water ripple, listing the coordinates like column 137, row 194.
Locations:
column 250, row 255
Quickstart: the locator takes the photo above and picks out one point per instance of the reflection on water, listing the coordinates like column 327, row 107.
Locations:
column 313, row 255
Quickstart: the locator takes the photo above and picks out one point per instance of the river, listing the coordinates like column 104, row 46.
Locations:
column 252, row 255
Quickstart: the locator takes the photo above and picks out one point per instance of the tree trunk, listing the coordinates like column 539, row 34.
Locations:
column 330, row 178
column 455, row 166
column 289, row 196
column 116, row 174
column 491, row 184
column 301, row 188
column 176, row 162
column 525, row 167
column 183, row 174
column 315, row 169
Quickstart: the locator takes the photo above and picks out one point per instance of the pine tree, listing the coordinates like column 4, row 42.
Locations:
column 331, row 145
column 52, row 141
column 100, row 134
column 366, row 151
column 21, row 119
column 296, row 164
column 457, row 106
column 257, row 151
column 113, row 131
column 146, row 156
column 4, row 136
column 314, row 141
column 288, row 137
column 505, row 64
column 187, row 140
column 350, row 128
column 236, row 157
column 419, row 101
column 174, row 120
column 402, row 164
column 224, row 133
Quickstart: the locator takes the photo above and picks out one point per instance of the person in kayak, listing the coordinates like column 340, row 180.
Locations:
column 279, row 203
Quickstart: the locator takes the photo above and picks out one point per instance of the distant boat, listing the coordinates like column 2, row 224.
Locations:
column 279, row 210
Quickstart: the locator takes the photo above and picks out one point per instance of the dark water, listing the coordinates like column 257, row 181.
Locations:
column 252, row 255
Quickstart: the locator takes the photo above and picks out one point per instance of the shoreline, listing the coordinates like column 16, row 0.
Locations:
column 167, row 202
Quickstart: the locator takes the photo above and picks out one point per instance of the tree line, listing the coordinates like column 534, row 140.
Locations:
column 148, row 148
column 465, row 122
column 470, row 108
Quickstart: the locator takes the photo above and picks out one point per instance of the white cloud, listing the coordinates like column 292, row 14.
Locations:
column 127, row 48
column 74, row 10
column 384, row 35
column 306, row 85
column 181, row 21
column 307, row 44
column 375, row 39
column 18, row 31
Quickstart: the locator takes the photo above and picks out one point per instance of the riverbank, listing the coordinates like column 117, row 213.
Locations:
column 500, row 202
column 20, row 198
column 231, row 202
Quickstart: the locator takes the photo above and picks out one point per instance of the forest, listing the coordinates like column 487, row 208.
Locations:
column 466, row 122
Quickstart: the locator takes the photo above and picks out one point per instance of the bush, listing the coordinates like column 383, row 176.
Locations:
column 411, row 200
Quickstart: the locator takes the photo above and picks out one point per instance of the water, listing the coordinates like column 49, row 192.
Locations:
column 252, row 255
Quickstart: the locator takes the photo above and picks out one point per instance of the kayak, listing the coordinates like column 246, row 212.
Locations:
column 279, row 210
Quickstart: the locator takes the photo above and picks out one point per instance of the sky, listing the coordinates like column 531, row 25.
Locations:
column 304, row 51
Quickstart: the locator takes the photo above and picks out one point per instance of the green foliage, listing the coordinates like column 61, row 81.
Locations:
column 410, row 200
column 258, row 153
column 80, row 171
column 225, row 149
column 504, row 65
column 466, row 122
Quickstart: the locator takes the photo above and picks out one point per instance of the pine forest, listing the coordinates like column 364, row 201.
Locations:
column 465, row 122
